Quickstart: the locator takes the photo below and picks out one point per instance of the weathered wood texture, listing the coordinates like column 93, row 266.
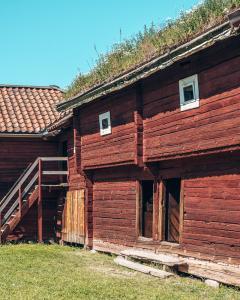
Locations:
column 16, row 154
column 114, row 211
column 142, row 268
column 222, row 272
column 76, row 178
column 27, row 228
column 119, row 146
column 211, row 192
column 168, row 132
column 73, row 230
column 146, row 118
column 211, row 208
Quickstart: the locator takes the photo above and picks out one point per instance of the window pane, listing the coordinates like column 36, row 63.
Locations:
column 188, row 93
column 104, row 123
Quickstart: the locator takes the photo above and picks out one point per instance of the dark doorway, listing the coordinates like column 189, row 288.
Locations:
column 64, row 153
column 172, row 209
column 146, row 209
column 64, row 149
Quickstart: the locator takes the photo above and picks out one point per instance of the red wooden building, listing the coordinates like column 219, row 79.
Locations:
column 153, row 161
column 156, row 154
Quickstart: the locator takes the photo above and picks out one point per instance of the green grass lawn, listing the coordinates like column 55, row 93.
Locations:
column 55, row 272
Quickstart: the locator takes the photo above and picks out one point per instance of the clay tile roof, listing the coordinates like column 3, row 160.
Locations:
column 28, row 109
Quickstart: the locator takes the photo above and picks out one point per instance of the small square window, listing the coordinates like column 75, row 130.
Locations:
column 189, row 93
column 105, row 123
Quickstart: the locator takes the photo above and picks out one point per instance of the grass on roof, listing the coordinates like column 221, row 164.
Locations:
column 152, row 41
column 55, row 272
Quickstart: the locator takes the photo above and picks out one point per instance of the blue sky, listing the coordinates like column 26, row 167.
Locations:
column 45, row 42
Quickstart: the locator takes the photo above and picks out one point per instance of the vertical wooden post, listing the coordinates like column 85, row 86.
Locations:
column 138, row 209
column 20, row 200
column 181, row 212
column 161, row 222
column 88, row 211
column 156, row 211
column 40, row 221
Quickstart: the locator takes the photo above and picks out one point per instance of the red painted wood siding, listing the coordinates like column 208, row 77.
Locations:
column 211, row 206
column 216, row 123
column 114, row 211
column 117, row 147
column 76, row 180
column 211, row 203
column 212, row 210
column 16, row 154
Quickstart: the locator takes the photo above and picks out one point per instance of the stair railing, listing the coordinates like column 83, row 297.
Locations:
column 15, row 184
column 29, row 179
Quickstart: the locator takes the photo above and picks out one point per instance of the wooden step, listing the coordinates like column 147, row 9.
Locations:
column 142, row 268
column 147, row 256
column 16, row 217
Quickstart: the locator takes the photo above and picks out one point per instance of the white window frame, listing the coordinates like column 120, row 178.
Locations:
column 194, row 103
column 107, row 130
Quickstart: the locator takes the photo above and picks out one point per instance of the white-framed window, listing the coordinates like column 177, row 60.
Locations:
column 105, row 123
column 189, row 92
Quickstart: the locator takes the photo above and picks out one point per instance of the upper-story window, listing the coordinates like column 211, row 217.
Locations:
column 189, row 92
column 105, row 123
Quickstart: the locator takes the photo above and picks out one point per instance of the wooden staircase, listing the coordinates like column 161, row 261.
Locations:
column 44, row 171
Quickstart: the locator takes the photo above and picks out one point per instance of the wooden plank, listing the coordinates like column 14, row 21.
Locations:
column 181, row 212
column 142, row 268
column 156, row 211
column 13, row 222
column 148, row 256
column 55, row 172
column 222, row 273
column 74, row 218
column 5, row 201
column 138, row 208
column 58, row 158
column 161, row 198
column 82, row 214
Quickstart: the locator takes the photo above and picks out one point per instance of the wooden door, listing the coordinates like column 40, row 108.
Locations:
column 172, row 210
column 173, row 217
column 73, row 230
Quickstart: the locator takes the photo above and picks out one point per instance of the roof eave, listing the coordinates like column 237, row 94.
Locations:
column 201, row 42
column 20, row 135
column 57, row 127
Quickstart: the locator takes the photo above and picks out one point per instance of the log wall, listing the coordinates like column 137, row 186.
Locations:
column 16, row 154
column 116, row 148
column 211, row 192
column 211, row 204
column 169, row 133
column 114, row 211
